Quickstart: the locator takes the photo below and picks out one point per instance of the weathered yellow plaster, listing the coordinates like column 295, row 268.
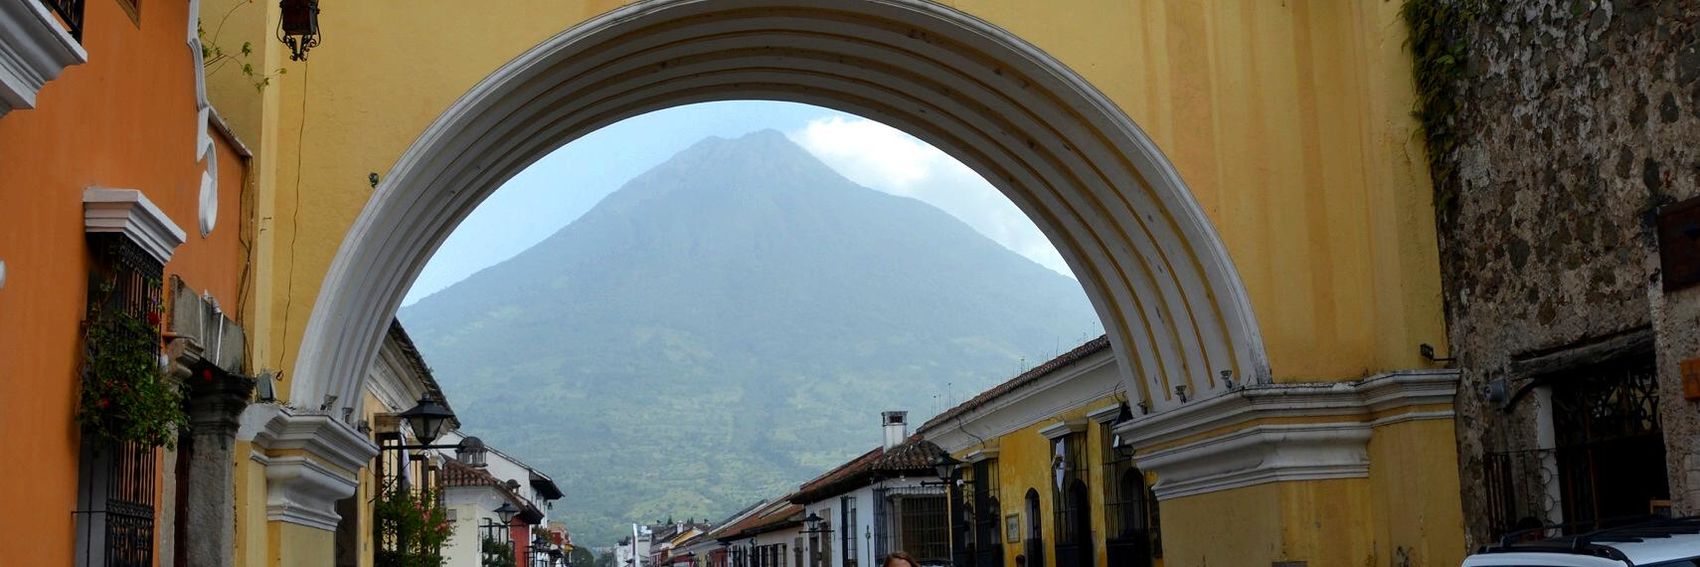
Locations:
column 1288, row 120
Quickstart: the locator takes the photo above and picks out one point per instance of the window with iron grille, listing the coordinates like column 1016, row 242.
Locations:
column 847, row 529
column 115, row 520
column 71, row 13
column 1131, row 536
column 1069, row 502
column 1609, row 458
column 925, row 527
column 981, row 533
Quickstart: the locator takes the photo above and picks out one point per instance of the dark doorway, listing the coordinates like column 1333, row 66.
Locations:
column 1035, row 544
column 1611, row 451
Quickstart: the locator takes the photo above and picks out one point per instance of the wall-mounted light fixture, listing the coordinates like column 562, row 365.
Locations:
column 1427, row 352
column 298, row 27
column 1180, row 392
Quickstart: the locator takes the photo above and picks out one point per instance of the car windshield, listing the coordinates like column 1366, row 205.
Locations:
column 1689, row 562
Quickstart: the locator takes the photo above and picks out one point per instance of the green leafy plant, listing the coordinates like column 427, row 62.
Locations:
column 214, row 57
column 125, row 396
column 413, row 526
column 497, row 553
column 1439, row 54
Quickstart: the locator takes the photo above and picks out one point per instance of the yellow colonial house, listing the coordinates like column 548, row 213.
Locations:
column 1063, row 468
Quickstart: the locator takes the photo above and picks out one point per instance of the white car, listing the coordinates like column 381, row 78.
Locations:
column 1662, row 543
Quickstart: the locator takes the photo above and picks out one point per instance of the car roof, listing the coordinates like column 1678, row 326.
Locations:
column 1640, row 544
column 1538, row 559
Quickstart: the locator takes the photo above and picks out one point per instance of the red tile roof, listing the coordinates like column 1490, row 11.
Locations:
column 777, row 515
column 1094, row 346
column 913, row 457
column 458, row 474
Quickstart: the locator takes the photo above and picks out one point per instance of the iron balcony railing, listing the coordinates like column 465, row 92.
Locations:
column 71, row 12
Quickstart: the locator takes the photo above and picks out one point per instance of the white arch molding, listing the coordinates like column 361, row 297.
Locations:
column 1148, row 258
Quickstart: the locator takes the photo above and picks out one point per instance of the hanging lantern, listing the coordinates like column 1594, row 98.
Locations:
column 298, row 27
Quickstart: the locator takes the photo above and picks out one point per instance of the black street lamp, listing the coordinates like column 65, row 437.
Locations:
column 945, row 467
column 813, row 521
column 507, row 512
column 426, row 419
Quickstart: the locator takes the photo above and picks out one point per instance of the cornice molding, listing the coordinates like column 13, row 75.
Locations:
column 129, row 213
column 1259, row 455
column 33, row 51
column 1273, row 453
column 1083, row 382
column 980, row 455
column 300, row 490
column 1105, row 414
column 1379, row 393
column 314, row 461
column 1062, row 428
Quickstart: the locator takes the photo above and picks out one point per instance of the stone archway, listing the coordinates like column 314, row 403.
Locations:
column 1148, row 258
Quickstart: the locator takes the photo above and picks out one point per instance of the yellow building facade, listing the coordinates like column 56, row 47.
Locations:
column 1368, row 477
column 1238, row 186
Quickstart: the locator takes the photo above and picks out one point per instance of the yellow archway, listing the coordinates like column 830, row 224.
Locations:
column 1149, row 259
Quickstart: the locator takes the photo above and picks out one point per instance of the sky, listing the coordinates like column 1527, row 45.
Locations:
column 559, row 188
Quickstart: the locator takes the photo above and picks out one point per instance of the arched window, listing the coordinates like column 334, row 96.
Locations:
column 1131, row 537
column 1035, row 545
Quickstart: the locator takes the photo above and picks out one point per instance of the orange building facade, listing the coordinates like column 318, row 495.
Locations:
column 130, row 119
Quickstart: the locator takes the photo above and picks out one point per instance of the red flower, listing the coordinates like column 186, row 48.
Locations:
column 153, row 318
column 103, row 403
column 206, row 374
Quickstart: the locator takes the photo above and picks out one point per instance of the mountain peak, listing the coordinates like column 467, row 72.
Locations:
column 742, row 294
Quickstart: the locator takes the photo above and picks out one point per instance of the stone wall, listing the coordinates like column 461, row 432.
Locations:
column 1576, row 121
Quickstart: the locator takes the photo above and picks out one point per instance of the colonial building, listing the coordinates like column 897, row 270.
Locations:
column 888, row 499
column 1065, row 469
column 497, row 504
column 125, row 227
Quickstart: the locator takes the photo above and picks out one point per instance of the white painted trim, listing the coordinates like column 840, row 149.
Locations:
column 1447, row 415
column 1062, row 390
column 1105, row 414
column 1260, row 455
column 1062, row 428
column 33, row 51
column 322, row 463
column 129, row 213
column 1274, row 453
column 229, row 135
column 1061, row 150
column 300, row 490
column 1378, row 393
column 980, row 455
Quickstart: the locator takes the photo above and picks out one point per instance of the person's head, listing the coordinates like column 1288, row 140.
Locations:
column 899, row 559
column 1020, row 560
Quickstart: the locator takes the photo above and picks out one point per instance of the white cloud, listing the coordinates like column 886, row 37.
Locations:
column 886, row 159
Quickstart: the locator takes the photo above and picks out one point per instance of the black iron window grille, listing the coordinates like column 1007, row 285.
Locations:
column 847, row 530
column 1609, row 458
column 914, row 519
column 71, row 13
column 116, row 484
column 978, row 517
column 1070, row 502
column 1131, row 535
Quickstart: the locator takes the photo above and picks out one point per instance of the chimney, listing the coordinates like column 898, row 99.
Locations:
column 896, row 427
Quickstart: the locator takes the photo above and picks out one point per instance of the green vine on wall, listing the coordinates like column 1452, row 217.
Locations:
column 1438, row 60
column 125, row 396
column 214, row 57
